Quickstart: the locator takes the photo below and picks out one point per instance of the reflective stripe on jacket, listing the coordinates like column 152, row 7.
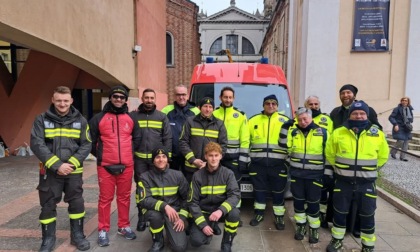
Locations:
column 356, row 158
column 264, row 134
column 237, row 133
column 212, row 191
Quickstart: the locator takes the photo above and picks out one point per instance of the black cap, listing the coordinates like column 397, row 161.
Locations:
column 271, row 97
column 119, row 89
column 158, row 151
column 350, row 87
column 359, row 105
column 206, row 100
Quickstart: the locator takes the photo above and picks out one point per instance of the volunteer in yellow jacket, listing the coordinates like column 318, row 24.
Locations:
column 268, row 170
column 357, row 150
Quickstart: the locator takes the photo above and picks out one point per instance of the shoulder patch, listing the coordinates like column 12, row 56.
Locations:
column 323, row 119
column 374, row 130
column 281, row 119
column 235, row 115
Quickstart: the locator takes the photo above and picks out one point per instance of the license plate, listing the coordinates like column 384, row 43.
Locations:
column 247, row 188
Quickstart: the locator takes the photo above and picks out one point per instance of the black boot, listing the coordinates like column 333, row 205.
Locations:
column 77, row 236
column 157, row 242
column 227, row 241
column 141, row 223
column 48, row 237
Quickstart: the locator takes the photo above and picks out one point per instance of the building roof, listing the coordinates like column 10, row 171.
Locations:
column 233, row 14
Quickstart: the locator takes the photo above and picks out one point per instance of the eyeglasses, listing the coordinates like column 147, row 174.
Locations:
column 270, row 103
column 180, row 95
column 116, row 97
column 313, row 104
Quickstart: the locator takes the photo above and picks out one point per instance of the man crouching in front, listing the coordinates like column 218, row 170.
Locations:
column 213, row 197
column 162, row 192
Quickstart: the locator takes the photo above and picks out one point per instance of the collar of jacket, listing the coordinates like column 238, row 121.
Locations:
column 109, row 108
column 52, row 115
column 346, row 124
column 213, row 172
column 186, row 107
column 158, row 171
column 141, row 109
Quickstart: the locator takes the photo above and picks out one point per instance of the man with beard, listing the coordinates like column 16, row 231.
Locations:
column 340, row 114
column 155, row 131
column 236, row 156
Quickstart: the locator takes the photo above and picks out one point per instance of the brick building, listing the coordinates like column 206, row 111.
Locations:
column 182, row 42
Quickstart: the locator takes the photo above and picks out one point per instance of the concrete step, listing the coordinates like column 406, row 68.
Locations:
column 411, row 146
column 415, row 140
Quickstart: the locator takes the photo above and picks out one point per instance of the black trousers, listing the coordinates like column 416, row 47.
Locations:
column 50, row 191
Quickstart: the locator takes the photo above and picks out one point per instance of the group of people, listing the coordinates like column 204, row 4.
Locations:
column 187, row 163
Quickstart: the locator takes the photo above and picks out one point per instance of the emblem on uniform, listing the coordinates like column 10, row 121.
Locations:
column 77, row 125
column 160, row 152
column 323, row 119
column 281, row 119
column 235, row 115
column 373, row 130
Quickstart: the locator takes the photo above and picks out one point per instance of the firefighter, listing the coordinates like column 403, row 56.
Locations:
column 197, row 132
column 236, row 157
column 162, row 192
column 268, row 169
column 306, row 144
column 213, row 197
column 356, row 150
column 154, row 129
column 60, row 139
column 323, row 120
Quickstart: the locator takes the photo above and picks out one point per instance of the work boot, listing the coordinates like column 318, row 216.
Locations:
column 141, row 224
column 279, row 221
column 157, row 242
column 216, row 228
column 256, row 220
column 77, row 237
column 313, row 235
column 323, row 219
column 335, row 245
column 367, row 248
column 227, row 241
column 48, row 237
column 300, row 231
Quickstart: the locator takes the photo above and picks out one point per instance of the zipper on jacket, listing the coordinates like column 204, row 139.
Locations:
column 357, row 154
column 112, row 124
column 118, row 137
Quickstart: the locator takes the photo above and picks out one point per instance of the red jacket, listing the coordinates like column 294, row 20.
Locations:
column 112, row 132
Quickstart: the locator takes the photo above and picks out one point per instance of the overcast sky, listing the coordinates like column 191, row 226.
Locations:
column 213, row 6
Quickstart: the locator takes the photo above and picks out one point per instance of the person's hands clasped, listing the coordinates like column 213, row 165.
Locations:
column 65, row 169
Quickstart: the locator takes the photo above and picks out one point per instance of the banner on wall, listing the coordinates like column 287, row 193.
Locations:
column 371, row 26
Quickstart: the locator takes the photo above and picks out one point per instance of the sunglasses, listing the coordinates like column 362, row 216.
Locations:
column 116, row 97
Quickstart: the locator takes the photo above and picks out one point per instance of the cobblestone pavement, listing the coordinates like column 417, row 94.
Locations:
column 20, row 230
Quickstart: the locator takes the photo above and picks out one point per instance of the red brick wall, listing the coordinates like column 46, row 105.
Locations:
column 181, row 22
